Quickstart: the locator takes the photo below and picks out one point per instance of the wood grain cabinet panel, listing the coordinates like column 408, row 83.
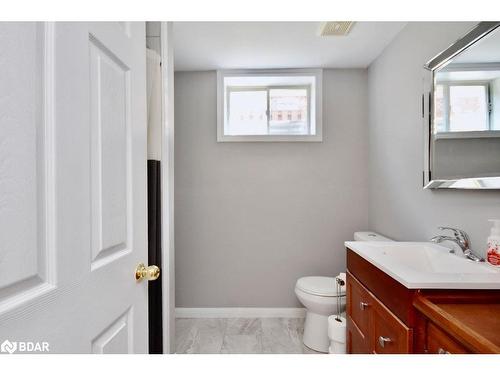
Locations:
column 359, row 304
column 357, row 342
column 439, row 342
column 358, row 310
column 372, row 327
column 389, row 334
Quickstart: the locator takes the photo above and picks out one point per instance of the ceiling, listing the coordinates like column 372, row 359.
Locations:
column 259, row 45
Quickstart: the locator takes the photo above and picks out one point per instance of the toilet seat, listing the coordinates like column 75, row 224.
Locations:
column 319, row 286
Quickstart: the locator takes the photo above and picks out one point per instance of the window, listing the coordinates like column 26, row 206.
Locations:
column 276, row 105
column 462, row 107
column 468, row 108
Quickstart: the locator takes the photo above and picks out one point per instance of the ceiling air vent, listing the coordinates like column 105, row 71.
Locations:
column 335, row 28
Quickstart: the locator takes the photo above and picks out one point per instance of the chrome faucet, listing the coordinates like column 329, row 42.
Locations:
column 461, row 238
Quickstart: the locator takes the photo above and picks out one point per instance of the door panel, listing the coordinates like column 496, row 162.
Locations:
column 26, row 182
column 109, row 103
column 116, row 338
column 73, row 186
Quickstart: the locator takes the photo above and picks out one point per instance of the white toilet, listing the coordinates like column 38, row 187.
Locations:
column 319, row 296
column 370, row 236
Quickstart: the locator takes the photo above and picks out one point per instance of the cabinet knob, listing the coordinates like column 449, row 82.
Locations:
column 383, row 340
column 363, row 305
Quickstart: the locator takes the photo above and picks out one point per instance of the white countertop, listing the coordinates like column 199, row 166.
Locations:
column 425, row 265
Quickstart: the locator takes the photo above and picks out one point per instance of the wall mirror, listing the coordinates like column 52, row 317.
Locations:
column 461, row 110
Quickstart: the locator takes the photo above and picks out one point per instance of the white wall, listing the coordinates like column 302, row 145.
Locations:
column 251, row 218
column 398, row 205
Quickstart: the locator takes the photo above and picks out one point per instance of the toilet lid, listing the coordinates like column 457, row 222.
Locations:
column 319, row 286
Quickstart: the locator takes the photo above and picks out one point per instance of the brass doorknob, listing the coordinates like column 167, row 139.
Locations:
column 149, row 273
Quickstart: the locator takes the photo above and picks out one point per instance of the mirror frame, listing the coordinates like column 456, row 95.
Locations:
column 443, row 58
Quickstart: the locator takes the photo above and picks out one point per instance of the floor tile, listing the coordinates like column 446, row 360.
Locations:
column 185, row 335
column 241, row 335
column 243, row 326
column 203, row 336
column 281, row 335
column 242, row 344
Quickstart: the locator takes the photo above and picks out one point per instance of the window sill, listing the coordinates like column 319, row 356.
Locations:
column 269, row 138
column 471, row 134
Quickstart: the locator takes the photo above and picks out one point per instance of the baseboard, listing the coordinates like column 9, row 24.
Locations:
column 240, row 312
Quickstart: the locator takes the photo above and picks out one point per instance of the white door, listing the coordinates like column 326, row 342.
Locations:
column 72, row 187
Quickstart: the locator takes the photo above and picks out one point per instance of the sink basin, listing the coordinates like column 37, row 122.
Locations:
column 431, row 258
column 425, row 265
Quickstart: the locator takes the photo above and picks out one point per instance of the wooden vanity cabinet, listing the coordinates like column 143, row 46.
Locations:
column 385, row 317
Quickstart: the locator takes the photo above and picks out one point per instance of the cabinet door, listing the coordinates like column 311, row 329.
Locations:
column 389, row 334
column 359, row 304
column 357, row 342
column 358, row 317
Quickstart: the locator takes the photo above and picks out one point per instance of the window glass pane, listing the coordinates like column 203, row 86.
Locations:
column 270, row 106
column 468, row 108
column 247, row 113
column 288, row 111
column 439, row 114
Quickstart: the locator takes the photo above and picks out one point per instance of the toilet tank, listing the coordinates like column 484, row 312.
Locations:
column 369, row 236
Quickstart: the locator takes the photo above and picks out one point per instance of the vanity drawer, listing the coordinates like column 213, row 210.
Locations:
column 359, row 304
column 439, row 342
column 390, row 335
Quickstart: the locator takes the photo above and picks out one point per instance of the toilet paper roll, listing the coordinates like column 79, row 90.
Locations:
column 336, row 329
column 342, row 276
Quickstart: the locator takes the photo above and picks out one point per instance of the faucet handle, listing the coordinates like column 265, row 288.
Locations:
column 459, row 234
column 455, row 231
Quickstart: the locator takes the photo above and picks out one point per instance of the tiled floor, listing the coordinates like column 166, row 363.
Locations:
column 255, row 336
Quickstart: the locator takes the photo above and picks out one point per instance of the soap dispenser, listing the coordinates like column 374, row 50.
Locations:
column 493, row 252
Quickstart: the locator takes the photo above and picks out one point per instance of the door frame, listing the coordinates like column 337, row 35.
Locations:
column 167, row 187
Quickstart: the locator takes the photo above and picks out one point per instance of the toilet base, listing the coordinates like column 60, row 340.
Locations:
column 316, row 332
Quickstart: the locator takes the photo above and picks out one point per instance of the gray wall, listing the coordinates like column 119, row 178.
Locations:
column 251, row 218
column 465, row 157
column 398, row 206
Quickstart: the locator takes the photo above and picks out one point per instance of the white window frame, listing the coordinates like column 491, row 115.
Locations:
column 318, row 109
